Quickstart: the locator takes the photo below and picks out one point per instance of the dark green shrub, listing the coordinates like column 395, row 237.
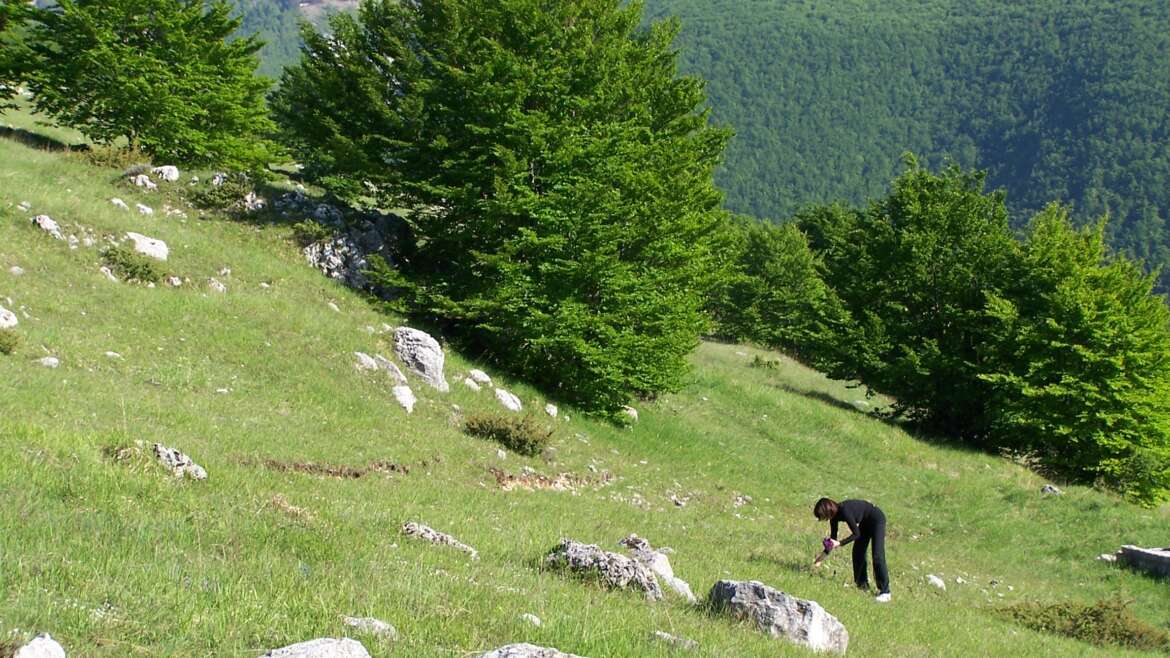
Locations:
column 225, row 197
column 309, row 232
column 131, row 265
column 520, row 434
column 1105, row 623
column 9, row 340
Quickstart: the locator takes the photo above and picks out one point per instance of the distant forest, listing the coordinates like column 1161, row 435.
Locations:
column 1058, row 99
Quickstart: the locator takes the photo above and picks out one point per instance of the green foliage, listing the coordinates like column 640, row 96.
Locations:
column 309, row 231
column 9, row 340
column 559, row 172
column 131, row 265
column 775, row 295
column 163, row 75
column 1083, row 375
column 1109, row 622
column 914, row 271
column 14, row 55
column 225, row 197
column 520, row 434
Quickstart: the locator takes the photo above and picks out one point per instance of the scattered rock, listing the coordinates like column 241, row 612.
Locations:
column 225, row 271
column 1051, row 490
column 405, row 397
column 173, row 281
column 142, row 180
column 780, row 615
column 46, row 224
column 936, row 581
column 471, row 383
column 149, row 246
column 614, row 570
column 321, row 648
column 24, row 206
column 530, row 480
column 741, row 500
column 422, row 355
column 218, row 179
column 372, row 626
column 659, row 563
column 254, row 202
column 1155, row 561
column 113, row 355
column 511, row 402
column 42, row 646
column 960, row 581
column 339, row 258
column 16, row 270
column 143, row 209
column 8, row 319
column 480, row 377
column 167, row 173
column 109, row 273
column 334, row 307
column 435, row 537
column 631, row 412
column 365, row 361
column 526, row 651
column 49, row 362
column 675, row 641
column 501, row 453
column 551, row 409
column 179, row 464
column 119, row 203
column 216, row 285
column 391, row 369
column 531, row 618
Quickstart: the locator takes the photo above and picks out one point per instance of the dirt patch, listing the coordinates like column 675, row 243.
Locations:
column 341, row 471
column 281, row 504
column 529, row 480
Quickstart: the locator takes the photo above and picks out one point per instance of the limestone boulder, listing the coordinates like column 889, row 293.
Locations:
column 152, row 247
column 422, row 355
column 526, row 651
column 614, row 570
column 781, row 615
column 327, row 647
column 42, row 646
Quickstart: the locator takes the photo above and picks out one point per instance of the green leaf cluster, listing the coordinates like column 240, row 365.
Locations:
column 558, row 171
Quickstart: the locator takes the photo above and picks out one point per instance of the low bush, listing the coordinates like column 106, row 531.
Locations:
column 1109, row 622
column 113, row 157
column 224, row 197
column 131, row 265
column 9, row 339
column 521, row 434
column 309, row 232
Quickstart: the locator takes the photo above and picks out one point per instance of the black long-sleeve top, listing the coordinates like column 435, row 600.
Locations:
column 854, row 513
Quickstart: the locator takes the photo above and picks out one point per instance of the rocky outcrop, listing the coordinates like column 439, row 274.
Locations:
column 321, row 648
column 614, row 570
column 435, row 537
column 780, row 615
column 526, row 651
column 422, row 355
column 179, row 464
column 149, row 246
column 340, row 259
column 659, row 563
column 42, row 646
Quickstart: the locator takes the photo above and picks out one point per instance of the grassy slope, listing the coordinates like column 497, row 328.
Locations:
column 213, row 568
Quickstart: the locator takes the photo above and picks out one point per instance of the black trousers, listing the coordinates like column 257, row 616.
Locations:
column 872, row 531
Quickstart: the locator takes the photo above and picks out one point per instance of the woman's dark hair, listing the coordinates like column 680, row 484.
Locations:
column 825, row 509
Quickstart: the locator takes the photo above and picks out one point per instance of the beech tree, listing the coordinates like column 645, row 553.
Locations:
column 558, row 168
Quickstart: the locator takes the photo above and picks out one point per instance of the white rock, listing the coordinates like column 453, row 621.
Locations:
column 509, row 401
column 675, row 641
column 525, row 650
column 253, row 202
column 551, row 409
column 372, row 626
column 8, row 319
column 334, row 307
column 225, row 271
column 480, row 377
column 781, row 615
column 265, row 285
column 16, row 270
column 218, row 179
column 1107, row 557
column 49, row 362
column 73, row 241
column 422, row 355
column 46, row 224
column 471, row 383
column 631, row 412
column 365, row 361
column 216, row 285
column 501, row 453
column 142, row 180
column 113, row 355
column 405, row 397
column 149, row 246
column 321, row 648
column 659, row 563
column 42, row 646
column 24, row 206
column 531, row 618
column 109, row 274
column 173, row 281
column 936, row 581
column 119, row 203
column 179, row 464
column 391, row 369
column 1051, row 490
column 612, row 569
column 143, row 209
column 435, row 537
column 166, row 172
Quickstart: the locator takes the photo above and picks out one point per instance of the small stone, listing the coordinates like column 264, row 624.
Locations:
column 225, row 271
column 149, row 246
column 265, row 285
column 173, row 281
column 551, row 409
column 49, row 362
column 42, row 646
column 119, row 203
column 142, row 180
column 16, row 270
column 405, row 397
column 1107, row 557
column 936, row 581
column 167, row 173
column 372, row 626
column 24, row 206
column 216, row 286
column 109, row 274
column 525, row 650
column 333, row 307
column 435, row 537
column 178, row 463
column 365, row 361
column 531, row 618
column 471, row 383
column 8, row 319
column 511, row 402
column 501, row 453
column 113, row 355
column 391, row 369
column 321, row 648
column 218, row 179
column 1051, row 490
column 144, row 209
column 46, row 224
column 631, row 412
column 480, row 377
column 960, row 581
column 222, row 391
column 675, row 641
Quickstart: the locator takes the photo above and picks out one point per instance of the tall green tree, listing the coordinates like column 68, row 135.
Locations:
column 558, row 167
column 1082, row 375
column 162, row 74
column 14, row 55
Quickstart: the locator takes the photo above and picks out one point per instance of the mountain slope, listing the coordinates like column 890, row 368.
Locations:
column 116, row 558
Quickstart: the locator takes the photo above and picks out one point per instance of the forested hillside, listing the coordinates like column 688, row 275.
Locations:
column 1061, row 99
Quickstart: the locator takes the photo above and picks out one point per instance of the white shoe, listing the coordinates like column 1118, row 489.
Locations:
column 883, row 598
